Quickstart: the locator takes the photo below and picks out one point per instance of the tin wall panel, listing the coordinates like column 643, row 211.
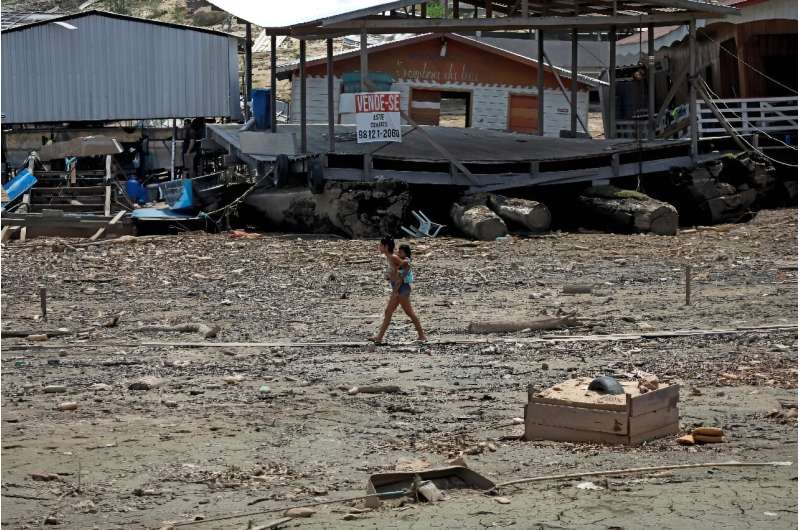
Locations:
column 109, row 69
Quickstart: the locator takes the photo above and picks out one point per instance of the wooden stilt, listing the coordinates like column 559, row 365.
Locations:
column 331, row 95
column 273, row 82
column 692, row 90
column 573, row 101
column 303, row 99
column 540, row 80
column 248, row 68
column 651, row 84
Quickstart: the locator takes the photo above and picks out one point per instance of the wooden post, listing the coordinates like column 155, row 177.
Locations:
column 43, row 302
column 488, row 5
column 367, row 171
column 692, row 89
column 573, row 102
column 248, row 68
column 364, row 68
column 651, row 83
column 303, row 102
column 525, row 9
column 540, row 80
column 445, row 9
column 172, row 149
column 688, row 278
column 456, row 9
column 331, row 117
column 273, row 82
column 612, row 81
column 423, row 10
column 107, row 202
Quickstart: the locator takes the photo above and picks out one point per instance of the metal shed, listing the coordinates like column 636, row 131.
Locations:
column 98, row 66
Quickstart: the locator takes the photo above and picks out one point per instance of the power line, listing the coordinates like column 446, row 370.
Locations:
column 743, row 139
column 727, row 108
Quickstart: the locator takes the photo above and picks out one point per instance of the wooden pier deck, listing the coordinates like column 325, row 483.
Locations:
column 497, row 160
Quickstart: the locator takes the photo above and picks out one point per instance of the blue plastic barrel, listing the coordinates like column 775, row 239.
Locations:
column 260, row 107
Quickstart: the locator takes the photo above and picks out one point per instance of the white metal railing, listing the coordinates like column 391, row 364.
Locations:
column 748, row 116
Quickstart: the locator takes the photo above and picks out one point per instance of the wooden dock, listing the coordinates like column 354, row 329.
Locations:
column 496, row 160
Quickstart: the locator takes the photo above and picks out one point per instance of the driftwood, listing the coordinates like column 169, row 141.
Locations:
column 8, row 333
column 510, row 326
column 374, row 389
column 478, row 221
column 630, row 211
column 208, row 332
column 578, row 288
column 532, row 215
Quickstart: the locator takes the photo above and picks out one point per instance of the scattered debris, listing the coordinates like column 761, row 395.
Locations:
column 300, row 512
column 67, row 405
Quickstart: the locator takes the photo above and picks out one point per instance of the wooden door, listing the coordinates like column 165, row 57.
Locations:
column 425, row 106
column 523, row 113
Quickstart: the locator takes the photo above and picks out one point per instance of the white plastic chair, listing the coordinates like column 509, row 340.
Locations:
column 426, row 228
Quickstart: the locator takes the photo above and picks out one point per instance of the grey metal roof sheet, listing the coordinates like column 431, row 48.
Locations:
column 111, row 68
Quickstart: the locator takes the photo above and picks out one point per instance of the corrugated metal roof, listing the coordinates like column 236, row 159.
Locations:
column 274, row 14
column 111, row 67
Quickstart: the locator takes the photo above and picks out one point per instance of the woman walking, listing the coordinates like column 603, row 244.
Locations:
column 400, row 276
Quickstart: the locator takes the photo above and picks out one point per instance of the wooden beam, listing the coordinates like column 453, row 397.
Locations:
column 363, row 54
column 612, row 82
column 693, row 132
column 273, row 82
column 303, row 99
column 390, row 25
column 573, row 102
column 107, row 204
column 540, row 79
column 564, row 92
column 248, row 68
column 651, row 83
column 331, row 117
column 720, row 118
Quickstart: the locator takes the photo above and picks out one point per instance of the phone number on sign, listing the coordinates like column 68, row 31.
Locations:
column 378, row 134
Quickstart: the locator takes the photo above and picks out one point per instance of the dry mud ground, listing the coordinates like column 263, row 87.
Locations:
column 198, row 447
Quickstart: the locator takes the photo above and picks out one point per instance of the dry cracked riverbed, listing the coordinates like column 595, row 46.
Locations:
column 207, row 441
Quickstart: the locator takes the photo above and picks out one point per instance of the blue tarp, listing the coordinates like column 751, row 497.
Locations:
column 22, row 182
column 159, row 214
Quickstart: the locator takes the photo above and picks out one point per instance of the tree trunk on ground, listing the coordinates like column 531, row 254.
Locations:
column 478, row 221
column 630, row 211
column 532, row 215
column 511, row 326
column 353, row 209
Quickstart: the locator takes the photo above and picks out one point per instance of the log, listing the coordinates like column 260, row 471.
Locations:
column 8, row 333
column 205, row 330
column 532, row 215
column 339, row 209
column 510, row 326
column 630, row 211
column 478, row 221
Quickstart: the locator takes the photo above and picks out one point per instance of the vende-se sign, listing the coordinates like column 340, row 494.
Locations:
column 378, row 117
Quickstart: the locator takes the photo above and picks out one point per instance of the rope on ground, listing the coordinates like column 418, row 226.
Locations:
column 634, row 470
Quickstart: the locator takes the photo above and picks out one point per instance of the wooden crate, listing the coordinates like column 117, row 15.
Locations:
column 641, row 417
